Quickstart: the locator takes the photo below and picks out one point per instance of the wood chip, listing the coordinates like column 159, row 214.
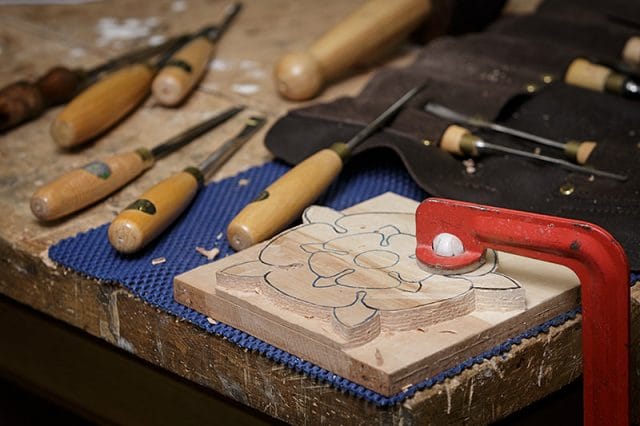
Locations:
column 211, row 321
column 243, row 182
column 209, row 254
column 158, row 261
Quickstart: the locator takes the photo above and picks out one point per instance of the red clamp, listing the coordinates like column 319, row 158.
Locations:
column 591, row 252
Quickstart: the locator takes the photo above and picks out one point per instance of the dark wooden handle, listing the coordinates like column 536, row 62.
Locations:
column 23, row 100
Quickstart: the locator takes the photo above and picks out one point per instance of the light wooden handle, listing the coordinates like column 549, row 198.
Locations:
column 459, row 141
column 284, row 200
column 587, row 75
column 84, row 186
column 631, row 51
column 182, row 72
column 101, row 105
column 300, row 76
column 152, row 213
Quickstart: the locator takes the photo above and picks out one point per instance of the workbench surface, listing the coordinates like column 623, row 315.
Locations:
column 34, row 38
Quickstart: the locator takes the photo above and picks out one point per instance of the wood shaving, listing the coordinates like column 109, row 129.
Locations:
column 243, row 182
column 209, row 254
column 158, row 261
column 211, row 321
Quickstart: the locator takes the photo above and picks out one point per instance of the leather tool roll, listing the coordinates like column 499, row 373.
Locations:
column 516, row 80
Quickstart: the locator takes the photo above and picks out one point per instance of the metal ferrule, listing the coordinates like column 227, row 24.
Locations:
column 196, row 173
column 342, row 150
column 571, row 149
column 146, row 156
column 468, row 143
column 615, row 83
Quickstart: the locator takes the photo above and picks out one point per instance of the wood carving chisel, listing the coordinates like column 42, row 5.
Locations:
column 460, row 141
column 25, row 100
column 156, row 209
column 283, row 201
column 186, row 67
column 106, row 102
column 600, row 78
column 372, row 28
column 86, row 185
column 576, row 151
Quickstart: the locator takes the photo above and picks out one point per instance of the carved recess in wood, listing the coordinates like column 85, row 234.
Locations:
column 359, row 273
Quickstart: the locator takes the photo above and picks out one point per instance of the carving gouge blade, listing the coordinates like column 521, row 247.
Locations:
column 24, row 100
column 86, row 185
column 185, row 68
column 283, row 201
column 157, row 208
column 574, row 150
column 460, row 141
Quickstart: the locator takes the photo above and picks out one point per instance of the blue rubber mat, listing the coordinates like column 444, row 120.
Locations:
column 204, row 225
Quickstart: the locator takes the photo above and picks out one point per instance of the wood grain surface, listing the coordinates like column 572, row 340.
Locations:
column 35, row 38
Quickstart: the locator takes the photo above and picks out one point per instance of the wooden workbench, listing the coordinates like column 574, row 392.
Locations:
column 33, row 38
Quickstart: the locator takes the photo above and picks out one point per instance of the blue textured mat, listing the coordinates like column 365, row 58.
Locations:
column 366, row 176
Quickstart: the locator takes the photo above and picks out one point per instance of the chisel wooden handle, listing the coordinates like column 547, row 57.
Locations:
column 84, row 186
column 631, row 51
column 102, row 105
column 154, row 211
column 180, row 74
column 23, row 100
column 374, row 25
column 284, row 200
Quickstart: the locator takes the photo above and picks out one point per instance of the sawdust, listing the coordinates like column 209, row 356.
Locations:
column 209, row 254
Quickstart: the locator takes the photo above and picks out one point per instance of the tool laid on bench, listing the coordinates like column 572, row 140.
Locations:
column 460, row 141
column 86, row 185
column 24, row 100
column 186, row 67
column 591, row 252
column 576, row 151
column 158, row 207
column 283, row 201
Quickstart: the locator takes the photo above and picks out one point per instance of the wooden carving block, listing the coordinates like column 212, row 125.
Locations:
column 344, row 291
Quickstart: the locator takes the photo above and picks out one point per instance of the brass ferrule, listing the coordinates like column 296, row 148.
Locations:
column 468, row 144
column 196, row 173
column 615, row 82
column 342, row 150
column 146, row 156
column 571, row 149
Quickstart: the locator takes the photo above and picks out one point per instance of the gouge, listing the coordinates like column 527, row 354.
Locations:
column 283, row 201
column 86, row 185
column 149, row 215
column 576, row 151
column 460, row 141
column 371, row 28
column 103, row 104
column 600, row 78
column 24, row 100
column 186, row 67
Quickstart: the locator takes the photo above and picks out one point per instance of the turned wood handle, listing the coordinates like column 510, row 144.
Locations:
column 102, row 105
column 153, row 212
column 84, row 186
column 631, row 51
column 284, row 200
column 301, row 75
column 178, row 77
column 587, row 75
column 23, row 100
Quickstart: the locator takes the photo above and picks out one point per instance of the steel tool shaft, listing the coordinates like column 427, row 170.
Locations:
column 84, row 186
column 157, row 208
column 283, row 201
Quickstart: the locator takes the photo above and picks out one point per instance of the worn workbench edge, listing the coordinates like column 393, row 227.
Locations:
column 487, row 392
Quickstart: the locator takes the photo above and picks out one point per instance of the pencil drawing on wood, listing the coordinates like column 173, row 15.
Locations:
column 359, row 273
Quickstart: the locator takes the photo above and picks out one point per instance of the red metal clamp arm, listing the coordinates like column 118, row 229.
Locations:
column 591, row 252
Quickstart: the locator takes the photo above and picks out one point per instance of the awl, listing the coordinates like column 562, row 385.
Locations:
column 86, row 185
column 144, row 219
column 284, row 200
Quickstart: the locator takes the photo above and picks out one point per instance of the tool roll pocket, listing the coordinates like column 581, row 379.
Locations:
column 506, row 77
